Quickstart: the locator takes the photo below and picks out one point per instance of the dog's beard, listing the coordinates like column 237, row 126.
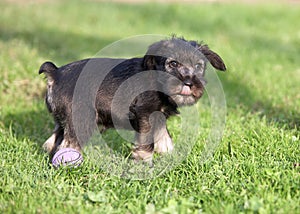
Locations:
column 182, row 94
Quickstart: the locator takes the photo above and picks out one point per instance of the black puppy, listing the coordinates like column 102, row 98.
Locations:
column 174, row 77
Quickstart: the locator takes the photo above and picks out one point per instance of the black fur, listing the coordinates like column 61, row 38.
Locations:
column 184, row 60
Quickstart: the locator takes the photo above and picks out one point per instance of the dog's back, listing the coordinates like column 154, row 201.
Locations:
column 106, row 75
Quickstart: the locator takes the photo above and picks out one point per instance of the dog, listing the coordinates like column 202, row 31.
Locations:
column 175, row 70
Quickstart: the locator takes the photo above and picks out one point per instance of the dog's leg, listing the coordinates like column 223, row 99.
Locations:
column 69, row 139
column 162, row 140
column 144, row 145
column 72, row 139
column 49, row 143
column 153, row 136
column 54, row 139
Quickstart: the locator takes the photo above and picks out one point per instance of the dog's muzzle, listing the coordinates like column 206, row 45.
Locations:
column 187, row 92
column 190, row 86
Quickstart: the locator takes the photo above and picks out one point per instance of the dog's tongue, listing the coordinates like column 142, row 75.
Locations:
column 186, row 90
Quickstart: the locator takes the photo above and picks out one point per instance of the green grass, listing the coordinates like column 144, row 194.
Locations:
column 252, row 171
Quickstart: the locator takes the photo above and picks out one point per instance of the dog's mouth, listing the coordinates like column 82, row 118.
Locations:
column 187, row 95
column 191, row 88
column 186, row 91
column 190, row 91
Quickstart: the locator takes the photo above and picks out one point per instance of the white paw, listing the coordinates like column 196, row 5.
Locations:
column 50, row 143
column 164, row 144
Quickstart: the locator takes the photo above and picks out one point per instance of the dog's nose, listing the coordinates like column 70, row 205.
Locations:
column 188, row 82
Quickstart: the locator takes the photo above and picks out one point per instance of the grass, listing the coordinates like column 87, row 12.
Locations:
column 252, row 170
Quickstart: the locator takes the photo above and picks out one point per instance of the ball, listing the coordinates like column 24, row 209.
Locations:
column 67, row 157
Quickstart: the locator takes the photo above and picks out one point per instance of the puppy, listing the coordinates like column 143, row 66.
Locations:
column 174, row 76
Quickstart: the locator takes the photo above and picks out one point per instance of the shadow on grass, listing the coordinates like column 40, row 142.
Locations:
column 61, row 47
column 243, row 97
column 240, row 92
column 35, row 125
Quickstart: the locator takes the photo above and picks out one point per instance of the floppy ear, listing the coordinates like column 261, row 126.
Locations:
column 149, row 62
column 214, row 59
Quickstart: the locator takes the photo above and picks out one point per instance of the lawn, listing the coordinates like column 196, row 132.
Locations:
column 255, row 168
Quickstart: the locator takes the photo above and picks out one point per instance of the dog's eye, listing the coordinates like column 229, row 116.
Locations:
column 199, row 66
column 174, row 64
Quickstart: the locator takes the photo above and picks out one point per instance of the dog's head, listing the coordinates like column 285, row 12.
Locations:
column 186, row 61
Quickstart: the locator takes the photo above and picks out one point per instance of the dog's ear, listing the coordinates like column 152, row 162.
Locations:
column 214, row 59
column 149, row 62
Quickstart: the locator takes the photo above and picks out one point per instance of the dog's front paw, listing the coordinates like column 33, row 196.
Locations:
column 164, row 144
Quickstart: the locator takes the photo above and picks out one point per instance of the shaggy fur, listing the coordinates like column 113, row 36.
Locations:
column 183, row 62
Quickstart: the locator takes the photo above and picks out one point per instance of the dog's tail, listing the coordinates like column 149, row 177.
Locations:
column 49, row 69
